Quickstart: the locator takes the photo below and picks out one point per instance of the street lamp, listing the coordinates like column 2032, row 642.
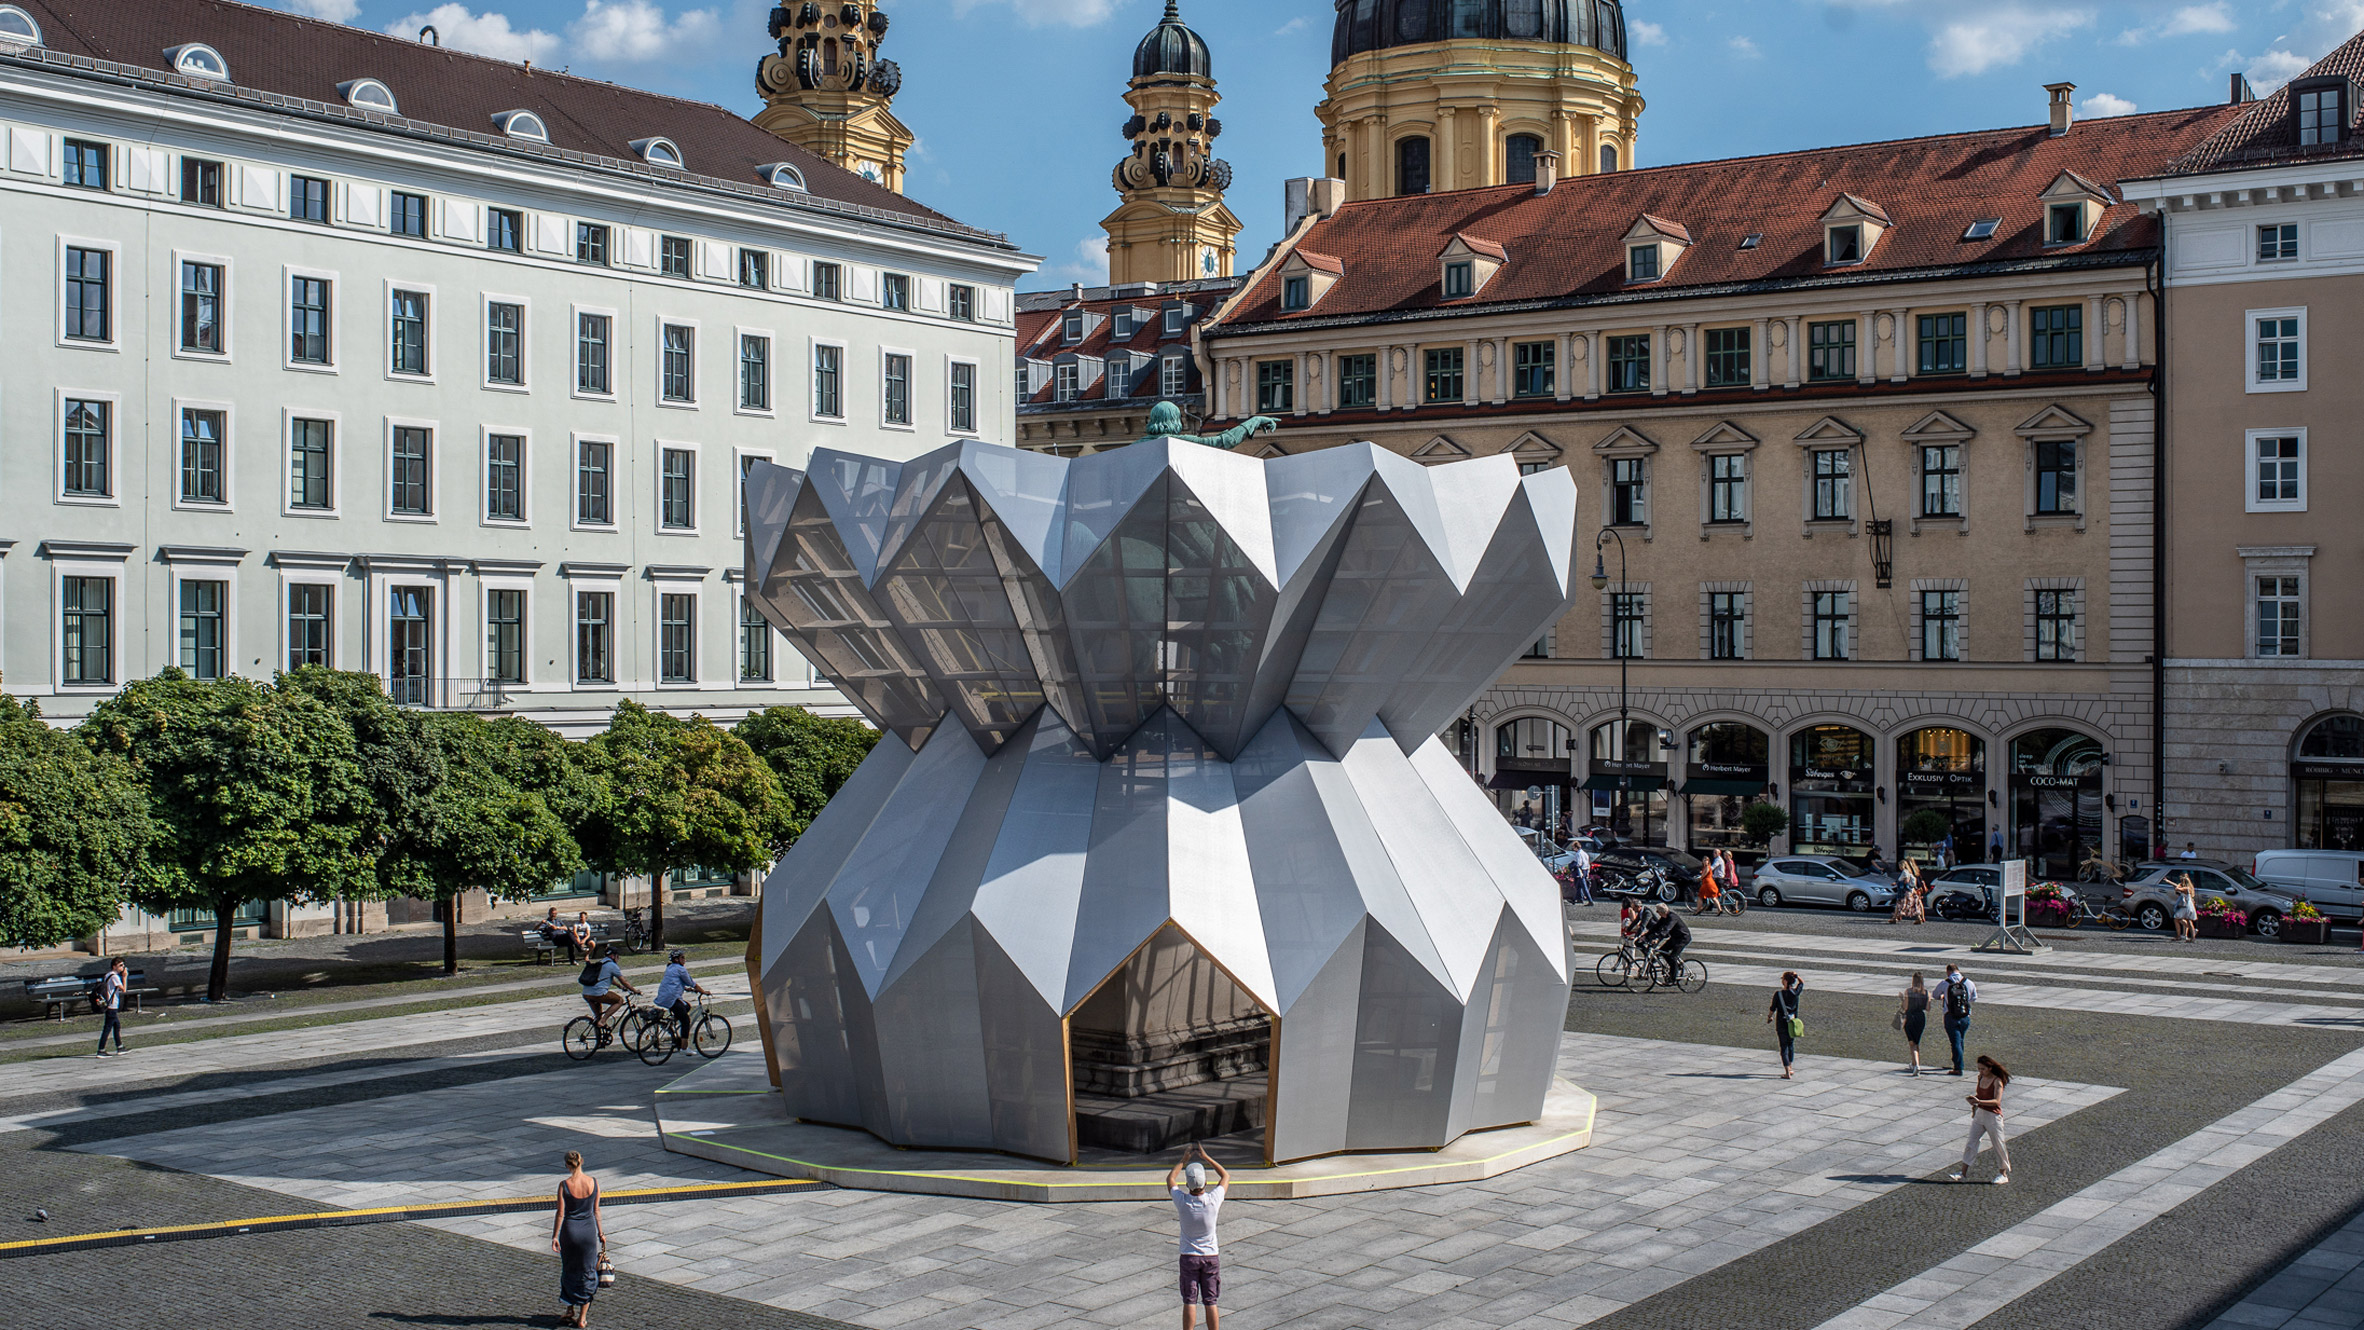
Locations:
column 1600, row 582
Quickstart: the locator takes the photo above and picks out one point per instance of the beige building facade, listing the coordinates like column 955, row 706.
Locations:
column 828, row 90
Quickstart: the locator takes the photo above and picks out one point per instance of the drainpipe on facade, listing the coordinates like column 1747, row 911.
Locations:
column 2157, row 268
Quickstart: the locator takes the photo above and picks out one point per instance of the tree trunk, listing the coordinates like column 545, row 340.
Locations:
column 217, row 980
column 451, row 933
column 656, row 910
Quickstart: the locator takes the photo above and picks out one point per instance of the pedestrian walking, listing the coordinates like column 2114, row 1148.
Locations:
column 1954, row 996
column 1912, row 1017
column 1727, row 872
column 1994, row 852
column 580, row 1238
column 2187, row 909
column 1783, row 1015
column 1710, row 890
column 1908, row 897
column 2190, row 851
column 1582, row 867
column 111, row 1003
column 1197, row 1204
column 1986, row 1119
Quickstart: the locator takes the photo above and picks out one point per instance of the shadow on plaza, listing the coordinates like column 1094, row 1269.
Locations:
column 402, row 1319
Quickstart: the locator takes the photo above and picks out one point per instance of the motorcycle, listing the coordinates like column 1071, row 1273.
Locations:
column 1957, row 903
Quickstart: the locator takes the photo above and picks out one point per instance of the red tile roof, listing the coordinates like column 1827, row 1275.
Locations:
column 1320, row 262
column 1476, row 246
column 1568, row 244
column 274, row 52
column 2263, row 134
column 1042, row 335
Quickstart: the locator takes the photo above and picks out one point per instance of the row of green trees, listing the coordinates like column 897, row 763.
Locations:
column 177, row 794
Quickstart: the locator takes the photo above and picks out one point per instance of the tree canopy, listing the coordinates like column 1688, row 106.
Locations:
column 811, row 757
column 678, row 792
column 74, row 831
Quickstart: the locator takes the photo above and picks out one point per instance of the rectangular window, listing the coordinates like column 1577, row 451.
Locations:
column 408, row 491
column 307, row 464
column 2277, row 616
column 86, row 164
column 2277, row 244
column 307, row 624
column 201, row 628
column 88, row 448
column 2278, row 357
column 1296, row 292
column 1945, row 343
column 407, row 214
column 1834, row 483
column 2278, row 473
column 2056, row 337
column 674, row 510
column 1941, row 480
column 2056, row 625
column 1358, row 380
column 2321, row 117
column 591, row 243
column 1629, row 492
column 592, row 490
column 673, row 256
column 591, row 355
column 1276, row 386
column 201, row 308
column 202, row 434
column 409, row 644
column 307, row 198
column 1728, row 357
column 1445, row 374
column 1641, row 263
column 89, row 313
column 677, row 639
column 504, row 343
column 829, row 378
column 2056, row 476
column 825, row 281
column 1727, row 488
column 1830, row 350
column 307, row 321
column 504, row 646
column 595, row 637
column 409, row 336
column 963, row 302
column 1533, row 365
column 964, row 398
column 504, row 229
column 678, row 383
column 86, row 631
column 1830, row 625
column 1458, row 280
column 201, row 182
column 2064, row 224
column 1064, row 382
column 755, row 644
column 1845, row 245
column 1941, row 625
column 1727, row 616
column 504, row 477
column 755, row 269
column 898, row 390
column 1626, row 611
column 1173, row 377
column 1629, row 363
column 894, row 291
column 755, row 372
column 1072, row 326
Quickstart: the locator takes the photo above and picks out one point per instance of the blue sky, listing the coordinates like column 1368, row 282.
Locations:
column 1017, row 103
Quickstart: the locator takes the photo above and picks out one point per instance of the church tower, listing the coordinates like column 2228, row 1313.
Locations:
column 1432, row 95
column 828, row 91
column 1172, row 225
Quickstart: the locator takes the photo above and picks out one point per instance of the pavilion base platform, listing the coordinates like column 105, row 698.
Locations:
column 727, row 1111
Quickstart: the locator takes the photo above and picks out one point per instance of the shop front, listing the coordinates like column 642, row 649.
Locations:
column 1627, row 786
column 1831, row 791
column 2328, row 776
column 2056, row 801
column 1531, row 784
column 1727, row 767
column 1941, row 771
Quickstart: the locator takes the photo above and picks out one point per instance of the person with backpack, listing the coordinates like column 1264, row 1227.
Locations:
column 111, row 1002
column 1954, row 997
column 600, row 978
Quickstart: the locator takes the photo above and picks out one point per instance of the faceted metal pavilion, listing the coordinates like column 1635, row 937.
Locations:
column 1164, row 689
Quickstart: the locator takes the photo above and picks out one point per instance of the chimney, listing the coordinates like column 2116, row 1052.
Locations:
column 2064, row 113
column 1547, row 171
column 1327, row 195
column 2242, row 93
column 1308, row 196
column 1075, row 291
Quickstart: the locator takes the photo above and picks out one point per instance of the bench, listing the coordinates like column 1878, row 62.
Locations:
column 545, row 949
column 59, row 992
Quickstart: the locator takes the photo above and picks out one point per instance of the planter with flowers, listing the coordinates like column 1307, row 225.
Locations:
column 2306, row 924
column 2048, row 906
column 2219, row 919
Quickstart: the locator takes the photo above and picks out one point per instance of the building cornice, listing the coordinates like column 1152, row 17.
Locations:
column 310, row 559
column 212, row 554
column 117, row 550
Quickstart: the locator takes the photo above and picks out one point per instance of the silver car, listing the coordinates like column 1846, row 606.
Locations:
column 1821, row 879
column 2153, row 901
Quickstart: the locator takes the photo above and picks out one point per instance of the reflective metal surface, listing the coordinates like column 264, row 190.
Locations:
column 1163, row 685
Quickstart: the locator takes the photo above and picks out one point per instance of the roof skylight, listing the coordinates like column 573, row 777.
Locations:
column 1752, row 240
column 522, row 125
column 369, row 95
column 780, row 175
column 658, row 151
column 17, row 27
column 1982, row 229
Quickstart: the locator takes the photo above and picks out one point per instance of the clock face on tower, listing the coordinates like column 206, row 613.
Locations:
column 867, row 170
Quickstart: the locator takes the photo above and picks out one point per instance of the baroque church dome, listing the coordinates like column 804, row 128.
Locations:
column 1172, row 48
column 1377, row 25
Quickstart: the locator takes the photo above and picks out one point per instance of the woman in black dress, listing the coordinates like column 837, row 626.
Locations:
column 1782, row 1015
column 578, row 1237
column 1912, row 1010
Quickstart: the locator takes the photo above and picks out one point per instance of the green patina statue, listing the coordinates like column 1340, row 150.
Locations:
column 1165, row 422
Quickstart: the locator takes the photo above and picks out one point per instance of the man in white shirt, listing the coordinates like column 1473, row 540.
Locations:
column 2190, row 851
column 1197, row 1204
column 111, row 991
column 1583, row 867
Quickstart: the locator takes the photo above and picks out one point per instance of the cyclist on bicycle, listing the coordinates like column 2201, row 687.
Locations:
column 600, row 978
column 669, row 990
column 1669, row 934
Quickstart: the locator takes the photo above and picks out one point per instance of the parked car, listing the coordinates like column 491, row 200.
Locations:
column 2329, row 878
column 1631, row 870
column 1821, row 879
column 1967, row 892
column 1554, row 855
column 2153, row 900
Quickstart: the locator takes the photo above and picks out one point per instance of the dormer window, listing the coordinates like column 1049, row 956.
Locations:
column 1458, row 281
column 1652, row 247
column 197, row 60
column 2321, row 108
column 1465, row 265
column 780, row 175
column 368, row 95
column 17, row 27
column 1073, row 327
column 1297, row 292
column 1177, row 317
column 522, row 125
column 1641, row 263
column 1851, row 229
column 2064, row 224
column 1123, row 319
column 1845, row 245
column 2072, row 209
column 658, row 152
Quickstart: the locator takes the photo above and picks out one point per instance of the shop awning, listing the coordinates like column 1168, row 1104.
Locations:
column 1519, row 780
column 1637, row 784
column 1722, row 787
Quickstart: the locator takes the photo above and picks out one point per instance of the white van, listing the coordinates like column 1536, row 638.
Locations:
column 2329, row 878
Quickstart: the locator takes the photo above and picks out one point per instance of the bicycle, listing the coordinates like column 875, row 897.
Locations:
column 635, row 938
column 709, row 1034
column 2099, row 867
column 1618, row 968
column 1689, row 975
column 584, row 1036
column 1727, row 901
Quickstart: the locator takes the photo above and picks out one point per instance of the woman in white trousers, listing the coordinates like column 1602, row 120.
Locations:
column 1986, row 1119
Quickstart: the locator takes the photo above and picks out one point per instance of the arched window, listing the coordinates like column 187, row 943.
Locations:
column 1533, row 739
column 522, row 125
column 369, row 95
column 1831, row 791
column 17, row 27
column 657, row 151
column 1523, row 19
column 1411, row 165
column 199, row 61
column 1341, row 166
column 1608, row 158
column 1411, row 20
column 1469, row 19
column 1518, row 166
column 780, row 175
column 2336, row 737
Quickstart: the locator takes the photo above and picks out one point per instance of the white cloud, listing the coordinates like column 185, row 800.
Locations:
column 488, row 33
column 335, row 11
column 1090, row 265
column 1293, row 26
column 2273, row 69
column 1646, row 33
column 1744, row 47
column 2102, row 105
column 2002, row 35
column 2214, row 17
column 2323, row 25
column 625, row 31
column 1048, row 13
